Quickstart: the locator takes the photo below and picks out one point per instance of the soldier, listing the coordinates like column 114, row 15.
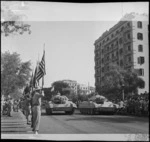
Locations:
column 10, row 106
column 27, row 107
column 36, row 102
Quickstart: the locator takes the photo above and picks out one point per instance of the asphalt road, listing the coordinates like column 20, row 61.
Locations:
column 60, row 123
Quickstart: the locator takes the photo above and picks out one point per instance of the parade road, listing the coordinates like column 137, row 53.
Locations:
column 60, row 123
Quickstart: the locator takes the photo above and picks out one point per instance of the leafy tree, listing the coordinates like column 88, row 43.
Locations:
column 91, row 95
column 12, row 23
column 59, row 87
column 115, row 78
column 14, row 73
column 72, row 96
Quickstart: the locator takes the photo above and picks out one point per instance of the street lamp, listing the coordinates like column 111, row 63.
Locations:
column 123, row 90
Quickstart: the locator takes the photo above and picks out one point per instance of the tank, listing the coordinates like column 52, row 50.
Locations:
column 97, row 104
column 60, row 103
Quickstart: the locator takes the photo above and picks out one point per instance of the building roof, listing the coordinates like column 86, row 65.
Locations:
column 124, row 19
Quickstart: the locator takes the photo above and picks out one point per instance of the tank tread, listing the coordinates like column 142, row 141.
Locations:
column 48, row 111
column 89, row 111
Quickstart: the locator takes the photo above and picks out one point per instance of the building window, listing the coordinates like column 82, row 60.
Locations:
column 121, row 62
column 129, row 48
column 141, row 60
column 112, row 35
column 122, row 29
column 129, row 70
column 128, row 24
column 102, row 51
column 121, row 51
column 140, row 36
column 107, row 38
column 112, row 46
column 112, row 55
column 102, row 60
column 116, row 43
column 96, row 63
column 139, row 24
column 107, row 68
column 120, row 41
column 102, row 69
column 107, row 58
column 108, row 48
column 129, row 59
column 141, row 72
column 116, row 53
column 128, row 36
column 140, row 48
column 117, row 32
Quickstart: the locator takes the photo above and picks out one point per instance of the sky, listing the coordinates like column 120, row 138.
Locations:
column 68, row 32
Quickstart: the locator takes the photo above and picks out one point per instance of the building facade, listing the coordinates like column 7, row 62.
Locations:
column 127, row 45
column 86, row 88
column 72, row 84
column 75, row 86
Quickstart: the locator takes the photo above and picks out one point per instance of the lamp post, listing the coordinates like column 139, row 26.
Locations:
column 123, row 91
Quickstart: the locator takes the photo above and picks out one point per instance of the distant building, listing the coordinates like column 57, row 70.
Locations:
column 72, row 84
column 77, row 86
column 86, row 88
column 127, row 45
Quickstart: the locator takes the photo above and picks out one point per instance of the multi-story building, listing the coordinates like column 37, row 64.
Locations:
column 86, row 88
column 72, row 84
column 125, row 44
column 77, row 86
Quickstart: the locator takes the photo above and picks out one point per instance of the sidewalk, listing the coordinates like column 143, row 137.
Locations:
column 16, row 124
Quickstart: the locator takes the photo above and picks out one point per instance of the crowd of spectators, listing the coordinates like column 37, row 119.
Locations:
column 135, row 105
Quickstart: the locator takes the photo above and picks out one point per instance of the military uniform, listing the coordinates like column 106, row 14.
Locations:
column 36, row 102
column 10, row 106
column 27, row 108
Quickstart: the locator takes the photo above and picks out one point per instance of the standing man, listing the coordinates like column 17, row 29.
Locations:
column 27, row 107
column 2, row 103
column 36, row 102
column 10, row 106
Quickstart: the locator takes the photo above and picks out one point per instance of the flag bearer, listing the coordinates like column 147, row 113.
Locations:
column 36, row 102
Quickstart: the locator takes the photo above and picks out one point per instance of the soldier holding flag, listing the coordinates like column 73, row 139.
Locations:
column 36, row 102
column 37, row 94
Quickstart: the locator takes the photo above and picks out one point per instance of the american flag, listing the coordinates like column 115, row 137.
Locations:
column 34, row 77
column 31, row 81
column 41, row 68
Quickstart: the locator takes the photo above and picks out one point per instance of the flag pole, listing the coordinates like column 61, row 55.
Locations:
column 44, row 57
column 38, row 68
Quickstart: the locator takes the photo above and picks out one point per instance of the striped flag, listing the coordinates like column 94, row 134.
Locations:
column 31, row 81
column 34, row 77
column 41, row 68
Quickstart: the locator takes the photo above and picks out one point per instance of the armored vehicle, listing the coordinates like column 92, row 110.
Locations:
column 97, row 104
column 60, row 103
